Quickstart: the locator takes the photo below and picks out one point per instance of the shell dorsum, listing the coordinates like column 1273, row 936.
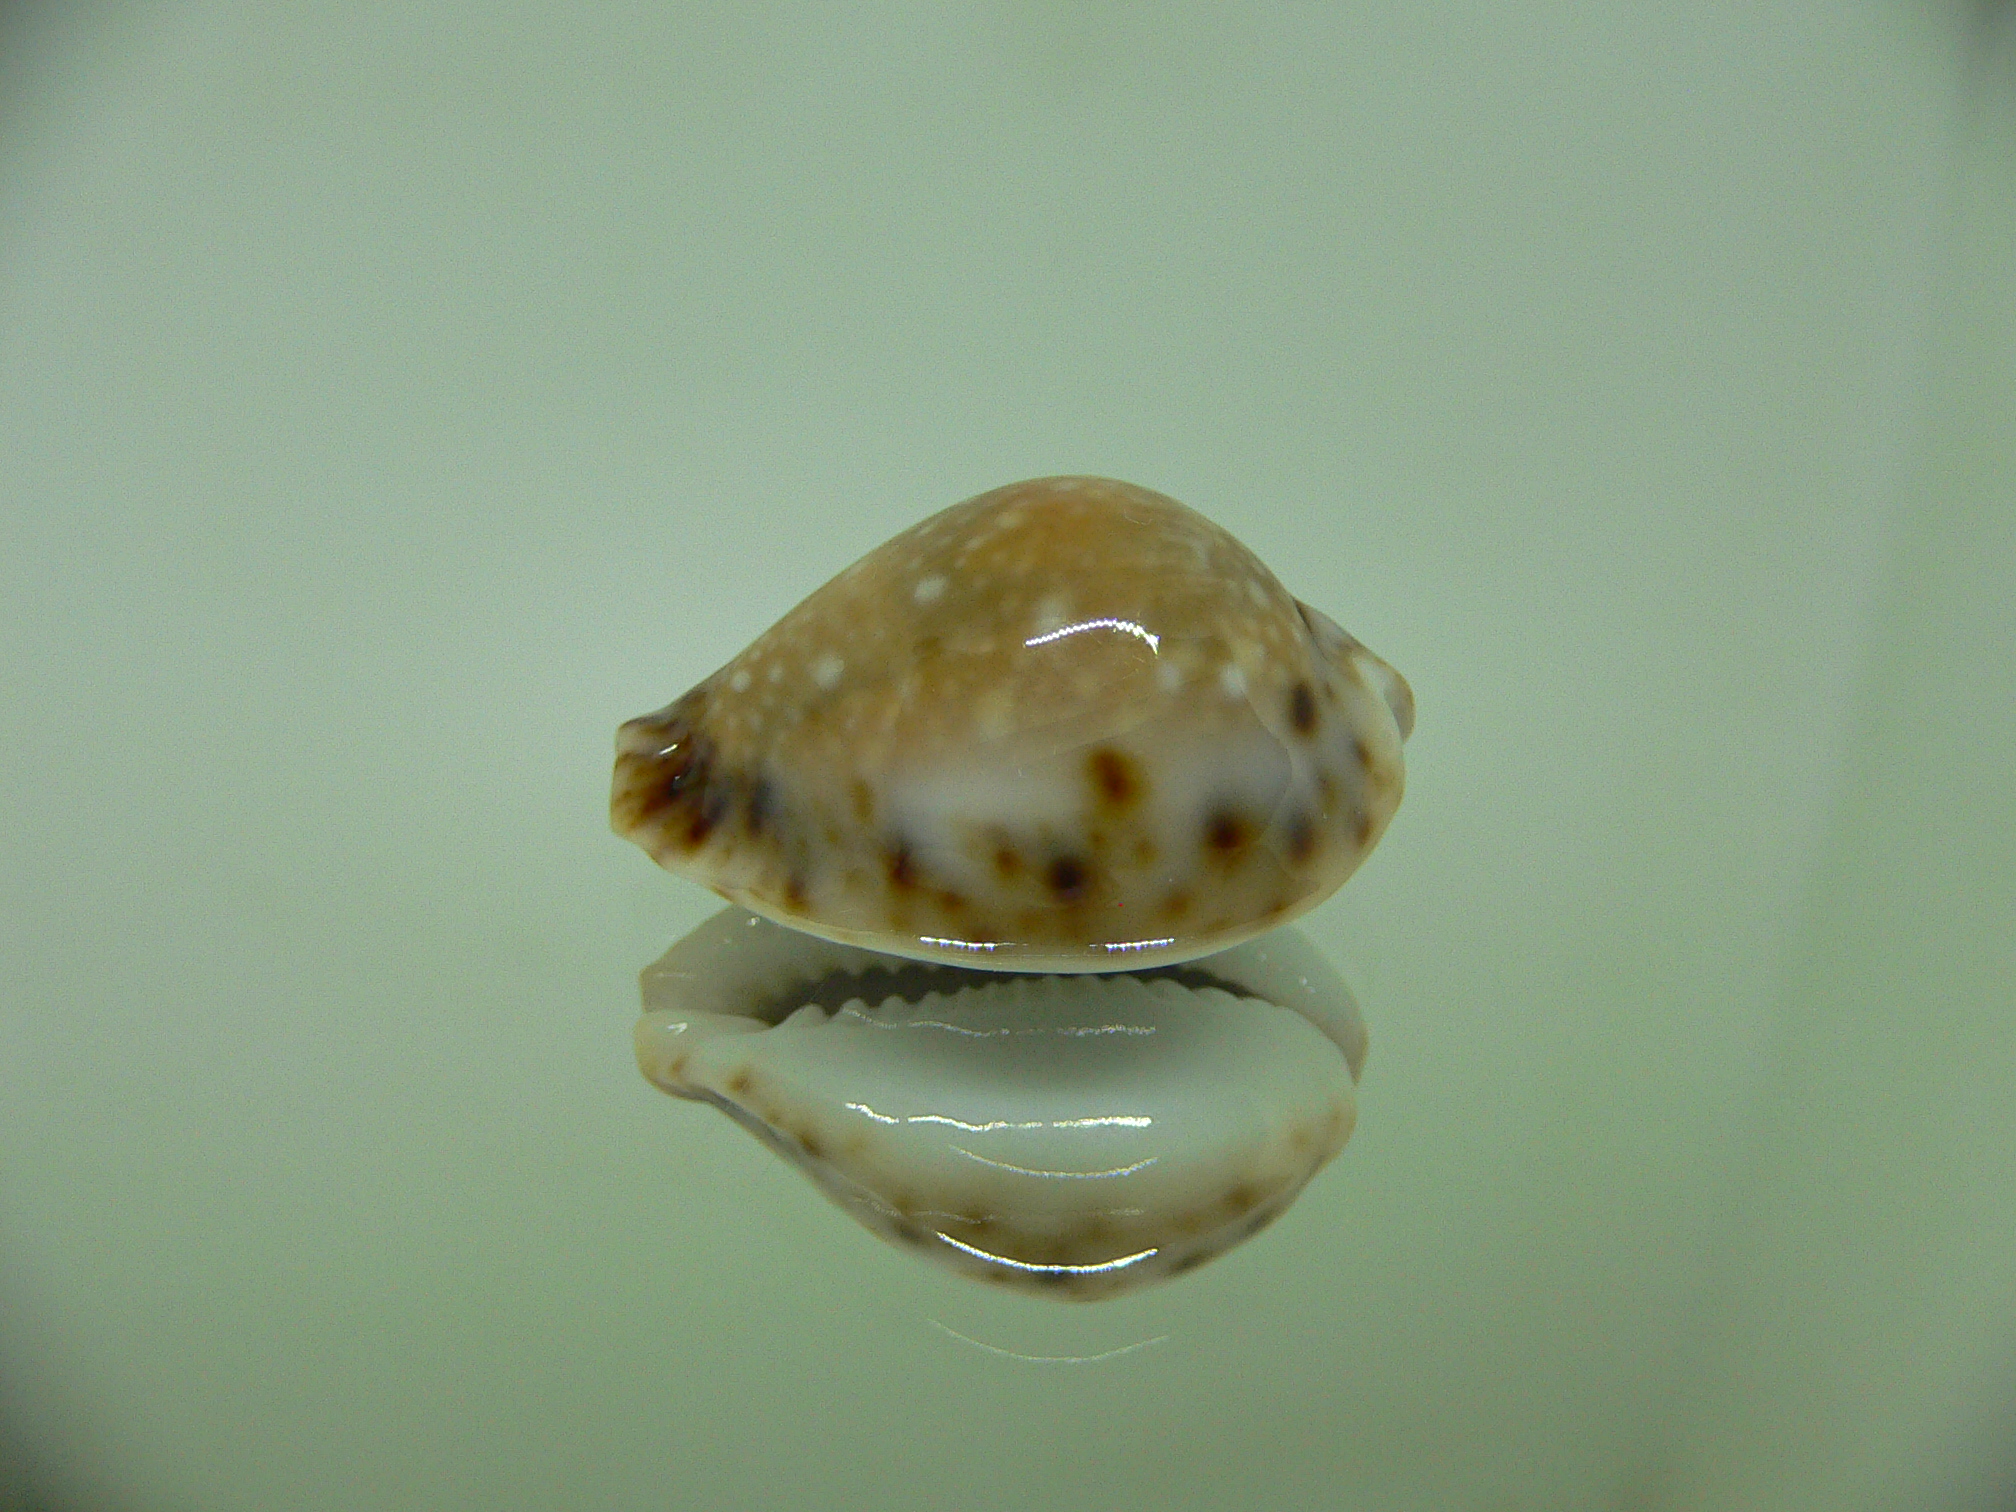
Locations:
column 1069, row 725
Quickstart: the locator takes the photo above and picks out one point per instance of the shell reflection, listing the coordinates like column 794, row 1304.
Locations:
column 1076, row 1136
column 1069, row 725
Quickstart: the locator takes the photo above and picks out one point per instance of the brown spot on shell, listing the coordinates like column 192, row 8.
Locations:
column 1301, row 838
column 1361, row 830
column 1227, row 832
column 1115, row 779
column 710, row 807
column 1362, row 751
column 1007, row 862
column 682, row 768
column 760, row 806
column 1302, row 712
column 900, row 866
column 1068, row 878
column 1176, row 903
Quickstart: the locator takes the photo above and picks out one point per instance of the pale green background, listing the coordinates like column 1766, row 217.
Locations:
column 392, row 399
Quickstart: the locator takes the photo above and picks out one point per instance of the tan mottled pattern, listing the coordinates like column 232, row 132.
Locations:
column 1068, row 725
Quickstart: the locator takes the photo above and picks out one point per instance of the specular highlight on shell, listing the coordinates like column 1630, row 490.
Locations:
column 1068, row 725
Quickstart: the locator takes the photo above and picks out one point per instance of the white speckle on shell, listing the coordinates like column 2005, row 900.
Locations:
column 1065, row 1135
column 1061, row 721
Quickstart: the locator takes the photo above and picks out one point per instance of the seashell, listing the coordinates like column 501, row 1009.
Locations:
column 1064, row 726
column 1076, row 1135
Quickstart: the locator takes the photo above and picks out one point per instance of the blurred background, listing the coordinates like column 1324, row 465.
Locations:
column 394, row 399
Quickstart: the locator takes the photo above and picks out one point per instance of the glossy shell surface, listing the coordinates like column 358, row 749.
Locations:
column 1069, row 725
column 1076, row 1136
